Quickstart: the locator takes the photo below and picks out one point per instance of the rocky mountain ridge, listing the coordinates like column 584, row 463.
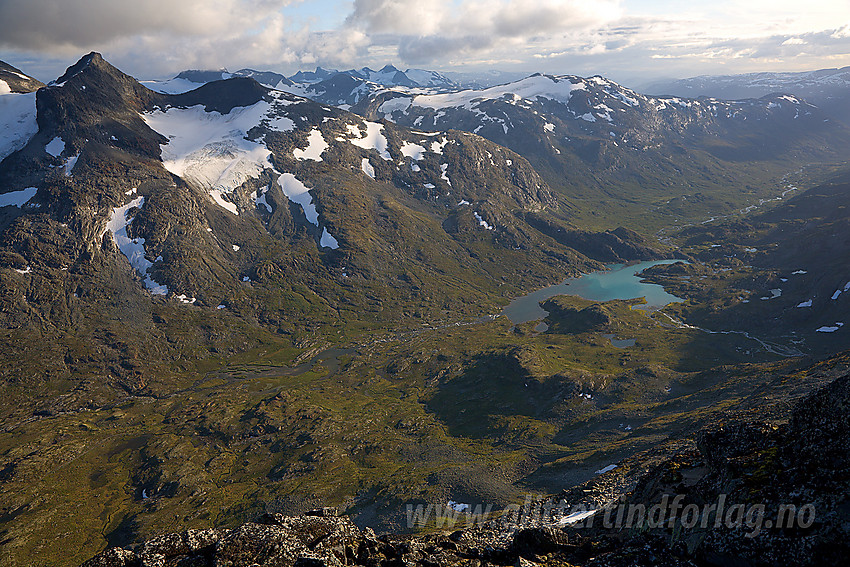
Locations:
column 15, row 81
column 648, row 159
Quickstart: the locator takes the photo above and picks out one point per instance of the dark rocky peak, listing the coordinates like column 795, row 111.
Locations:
column 92, row 83
column 95, row 101
column 312, row 76
column 78, row 67
column 219, row 96
column 16, row 80
column 203, row 75
column 389, row 69
column 268, row 78
column 337, row 89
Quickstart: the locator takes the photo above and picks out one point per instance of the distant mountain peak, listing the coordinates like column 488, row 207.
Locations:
column 94, row 58
column 14, row 80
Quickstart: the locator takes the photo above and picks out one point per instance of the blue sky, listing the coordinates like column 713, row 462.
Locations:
column 631, row 41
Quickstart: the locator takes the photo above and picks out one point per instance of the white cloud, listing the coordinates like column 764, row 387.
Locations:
column 431, row 30
column 81, row 24
column 625, row 39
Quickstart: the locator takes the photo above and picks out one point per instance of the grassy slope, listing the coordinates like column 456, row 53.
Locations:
column 477, row 412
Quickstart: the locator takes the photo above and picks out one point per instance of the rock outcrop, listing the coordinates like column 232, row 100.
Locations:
column 801, row 467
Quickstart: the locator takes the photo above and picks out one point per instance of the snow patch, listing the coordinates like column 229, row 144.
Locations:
column 373, row 139
column 297, row 192
column 55, row 147
column 805, row 303
column 482, row 222
column 316, row 146
column 328, row 241
column 437, row 147
column 457, row 506
column 281, row 124
column 411, row 150
column 575, row 517
column 69, row 164
column 604, row 470
column 17, row 198
column 17, row 122
column 132, row 248
column 443, row 168
column 367, row 168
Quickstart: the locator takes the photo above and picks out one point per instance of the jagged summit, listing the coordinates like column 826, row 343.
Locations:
column 94, row 59
column 319, row 74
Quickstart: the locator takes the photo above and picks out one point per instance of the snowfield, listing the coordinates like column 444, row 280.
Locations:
column 17, row 198
column 17, row 122
column 210, row 148
column 540, row 86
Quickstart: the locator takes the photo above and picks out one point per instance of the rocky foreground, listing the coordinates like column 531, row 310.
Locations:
column 717, row 504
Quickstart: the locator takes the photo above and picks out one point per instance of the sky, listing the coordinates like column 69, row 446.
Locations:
column 631, row 41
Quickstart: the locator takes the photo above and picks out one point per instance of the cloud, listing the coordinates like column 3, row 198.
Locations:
column 47, row 25
column 155, row 38
column 431, row 30
column 620, row 38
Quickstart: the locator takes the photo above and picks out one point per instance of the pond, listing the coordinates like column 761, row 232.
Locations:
column 620, row 281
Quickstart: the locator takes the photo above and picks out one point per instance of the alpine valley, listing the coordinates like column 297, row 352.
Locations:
column 232, row 296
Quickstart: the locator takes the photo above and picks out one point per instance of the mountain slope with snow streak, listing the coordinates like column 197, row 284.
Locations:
column 639, row 156
column 231, row 184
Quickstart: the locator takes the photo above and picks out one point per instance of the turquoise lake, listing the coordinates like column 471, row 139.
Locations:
column 618, row 282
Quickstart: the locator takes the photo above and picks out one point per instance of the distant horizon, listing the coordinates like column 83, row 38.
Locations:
column 513, row 74
column 632, row 42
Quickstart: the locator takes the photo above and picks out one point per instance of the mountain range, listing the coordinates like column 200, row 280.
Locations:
column 599, row 142
column 231, row 294
column 826, row 88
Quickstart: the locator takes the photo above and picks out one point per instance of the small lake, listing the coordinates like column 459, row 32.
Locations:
column 618, row 282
